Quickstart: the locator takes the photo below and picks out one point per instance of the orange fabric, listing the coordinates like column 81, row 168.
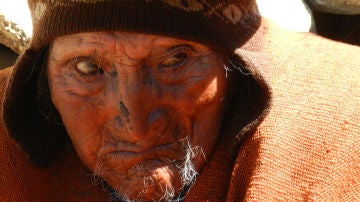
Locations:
column 307, row 149
column 65, row 180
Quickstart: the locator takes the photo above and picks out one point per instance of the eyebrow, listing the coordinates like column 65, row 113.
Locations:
column 84, row 40
column 181, row 46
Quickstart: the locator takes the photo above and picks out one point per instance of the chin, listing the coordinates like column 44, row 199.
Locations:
column 151, row 179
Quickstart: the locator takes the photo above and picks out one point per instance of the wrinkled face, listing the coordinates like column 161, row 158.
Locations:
column 143, row 111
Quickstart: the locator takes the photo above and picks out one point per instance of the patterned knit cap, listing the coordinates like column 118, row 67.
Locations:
column 221, row 24
column 218, row 23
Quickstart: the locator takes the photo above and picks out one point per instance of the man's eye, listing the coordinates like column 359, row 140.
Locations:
column 88, row 67
column 174, row 60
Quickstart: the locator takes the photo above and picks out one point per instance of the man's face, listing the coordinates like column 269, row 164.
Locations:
column 143, row 111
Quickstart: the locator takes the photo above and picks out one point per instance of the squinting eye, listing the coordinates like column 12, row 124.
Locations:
column 88, row 67
column 174, row 60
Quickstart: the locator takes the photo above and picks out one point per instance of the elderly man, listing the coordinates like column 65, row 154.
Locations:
column 177, row 100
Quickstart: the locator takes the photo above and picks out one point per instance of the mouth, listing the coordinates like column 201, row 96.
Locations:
column 166, row 149
column 125, row 159
column 149, row 167
column 148, row 173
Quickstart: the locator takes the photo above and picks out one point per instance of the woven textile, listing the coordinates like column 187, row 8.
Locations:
column 307, row 148
column 216, row 23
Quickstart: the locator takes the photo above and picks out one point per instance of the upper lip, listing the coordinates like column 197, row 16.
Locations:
column 134, row 151
column 152, row 141
column 170, row 152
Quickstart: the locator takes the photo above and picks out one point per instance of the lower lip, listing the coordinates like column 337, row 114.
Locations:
column 171, row 152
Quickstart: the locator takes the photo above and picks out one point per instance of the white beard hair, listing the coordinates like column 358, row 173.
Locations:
column 187, row 173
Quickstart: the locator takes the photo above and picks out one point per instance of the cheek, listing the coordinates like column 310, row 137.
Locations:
column 83, row 128
column 82, row 118
column 211, row 91
column 204, row 90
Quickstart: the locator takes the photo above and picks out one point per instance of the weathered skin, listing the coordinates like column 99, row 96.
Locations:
column 133, row 104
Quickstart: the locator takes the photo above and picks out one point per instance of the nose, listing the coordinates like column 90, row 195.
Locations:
column 138, row 107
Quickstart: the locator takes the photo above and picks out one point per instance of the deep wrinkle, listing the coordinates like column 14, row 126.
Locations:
column 143, row 109
column 124, row 110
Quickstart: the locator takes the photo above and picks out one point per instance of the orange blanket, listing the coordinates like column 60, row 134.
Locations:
column 307, row 148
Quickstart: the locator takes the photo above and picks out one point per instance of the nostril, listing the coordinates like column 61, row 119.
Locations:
column 155, row 115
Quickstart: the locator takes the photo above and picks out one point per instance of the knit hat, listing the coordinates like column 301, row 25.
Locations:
column 212, row 22
column 221, row 24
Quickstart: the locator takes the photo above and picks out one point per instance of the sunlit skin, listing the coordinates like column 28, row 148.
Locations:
column 133, row 104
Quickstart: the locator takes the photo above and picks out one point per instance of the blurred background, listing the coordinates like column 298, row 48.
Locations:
column 335, row 19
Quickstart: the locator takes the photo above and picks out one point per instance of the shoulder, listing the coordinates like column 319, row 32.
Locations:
column 314, row 78
column 308, row 148
column 308, row 49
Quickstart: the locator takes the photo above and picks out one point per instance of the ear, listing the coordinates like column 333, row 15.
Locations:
column 27, row 114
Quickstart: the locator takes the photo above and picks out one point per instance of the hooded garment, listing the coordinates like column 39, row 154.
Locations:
column 293, row 133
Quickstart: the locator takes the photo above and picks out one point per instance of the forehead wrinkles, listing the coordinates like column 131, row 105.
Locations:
column 71, row 44
column 135, row 46
column 117, row 45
